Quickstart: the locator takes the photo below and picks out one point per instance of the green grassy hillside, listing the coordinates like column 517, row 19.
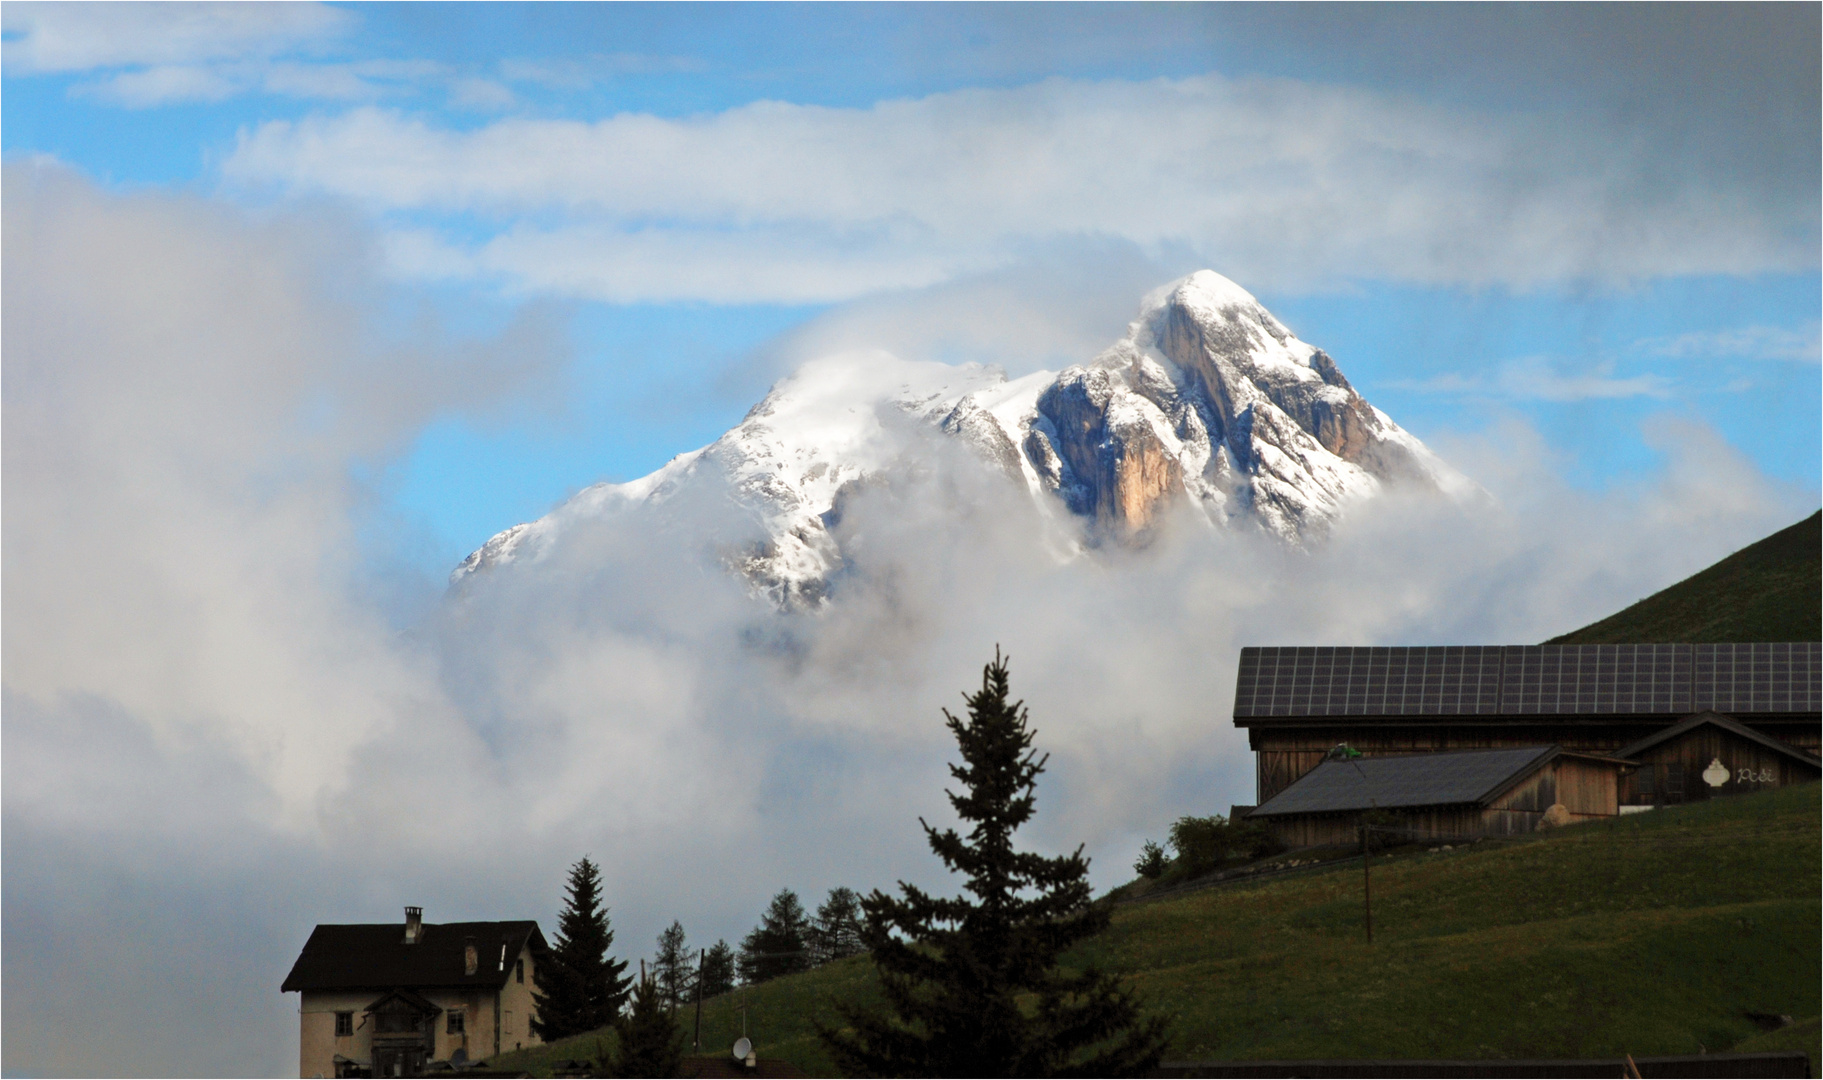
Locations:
column 1650, row 934
column 1766, row 592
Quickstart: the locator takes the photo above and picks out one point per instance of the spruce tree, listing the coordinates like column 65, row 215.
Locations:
column 835, row 933
column 577, row 986
column 651, row 1043
column 953, row 971
column 779, row 945
column 675, row 969
column 718, row 971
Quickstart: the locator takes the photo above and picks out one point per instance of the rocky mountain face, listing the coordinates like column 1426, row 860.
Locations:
column 1208, row 402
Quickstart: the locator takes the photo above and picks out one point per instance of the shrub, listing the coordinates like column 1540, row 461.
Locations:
column 1207, row 844
column 1151, row 860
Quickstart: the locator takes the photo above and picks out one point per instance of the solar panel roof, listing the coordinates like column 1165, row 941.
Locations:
column 1529, row 680
column 1440, row 779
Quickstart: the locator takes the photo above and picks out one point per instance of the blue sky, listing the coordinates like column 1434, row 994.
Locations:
column 1639, row 256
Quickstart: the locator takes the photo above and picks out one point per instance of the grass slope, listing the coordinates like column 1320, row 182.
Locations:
column 1649, row 934
column 1769, row 591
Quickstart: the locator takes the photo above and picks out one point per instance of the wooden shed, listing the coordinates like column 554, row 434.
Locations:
column 1709, row 755
column 1450, row 794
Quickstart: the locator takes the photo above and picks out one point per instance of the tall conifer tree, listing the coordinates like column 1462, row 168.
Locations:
column 780, row 944
column 835, row 933
column 953, row 970
column 578, row 986
column 674, row 969
column 718, row 971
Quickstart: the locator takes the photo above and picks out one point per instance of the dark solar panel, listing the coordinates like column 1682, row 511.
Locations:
column 1529, row 680
column 1759, row 677
column 1440, row 779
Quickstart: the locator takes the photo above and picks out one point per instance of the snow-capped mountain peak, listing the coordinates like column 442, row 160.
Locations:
column 1207, row 401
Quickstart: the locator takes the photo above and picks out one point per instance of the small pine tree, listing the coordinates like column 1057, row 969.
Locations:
column 674, row 970
column 577, row 986
column 835, row 933
column 953, row 971
column 718, row 971
column 651, row 1043
column 779, row 944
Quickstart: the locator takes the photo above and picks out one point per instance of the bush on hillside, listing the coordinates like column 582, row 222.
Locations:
column 1151, row 862
column 1206, row 844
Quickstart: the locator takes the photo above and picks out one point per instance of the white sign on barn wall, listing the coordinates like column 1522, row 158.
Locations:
column 1716, row 774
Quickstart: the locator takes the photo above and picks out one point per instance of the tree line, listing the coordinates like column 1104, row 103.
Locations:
column 972, row 984
column 580, row 986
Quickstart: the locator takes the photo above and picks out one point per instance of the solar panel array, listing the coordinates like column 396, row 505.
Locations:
column 1529, row 680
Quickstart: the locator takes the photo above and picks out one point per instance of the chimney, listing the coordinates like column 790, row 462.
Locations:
column 471, row 956
column 414, row 925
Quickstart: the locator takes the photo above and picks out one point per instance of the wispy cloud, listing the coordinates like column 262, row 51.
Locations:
column 70, row 37
column 580, row 73
column 143, row 56
column 1281, row 184
column 170, row 84
column 1538, row 379
column 1745, row 343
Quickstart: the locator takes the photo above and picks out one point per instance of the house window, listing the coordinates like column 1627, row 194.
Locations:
column 1674, row 782
column 344, row 1024
column 519, row 971
column 1643, row 780
column 456, row 1020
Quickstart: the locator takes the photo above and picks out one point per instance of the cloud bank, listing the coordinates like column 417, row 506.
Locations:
column 217, row 734
column 1284, row 184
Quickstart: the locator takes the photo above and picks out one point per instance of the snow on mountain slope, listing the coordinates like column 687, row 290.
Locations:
column 1208, row 400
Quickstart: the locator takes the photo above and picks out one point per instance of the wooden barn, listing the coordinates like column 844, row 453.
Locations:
column 1707, row 756
column 1297, row 703
column 1444, row 795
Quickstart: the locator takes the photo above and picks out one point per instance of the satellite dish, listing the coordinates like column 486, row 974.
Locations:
column 743, row 1048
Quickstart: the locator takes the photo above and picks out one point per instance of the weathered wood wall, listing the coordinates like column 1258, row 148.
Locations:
column 1587, row 789
column 1672, row 772
column 1282, row 754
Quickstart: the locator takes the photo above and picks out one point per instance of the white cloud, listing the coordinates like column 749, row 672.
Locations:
column 144, row 55
column 366, row 80
column 1278, row 183
column 1749, row 342
column 483, row 95
column 46, row 37
column 571, row 73
column 1538, row 379
column 165, row 84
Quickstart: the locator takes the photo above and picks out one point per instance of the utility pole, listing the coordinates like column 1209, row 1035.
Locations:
column 697, row 1042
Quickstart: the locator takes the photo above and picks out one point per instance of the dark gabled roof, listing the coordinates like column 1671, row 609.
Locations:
column 1766, row 678
column 1726, row 723
column 374, row 956
column 1402, row 781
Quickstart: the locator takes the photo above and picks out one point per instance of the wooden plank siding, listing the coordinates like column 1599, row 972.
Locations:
column 1587, row 789
column 1282, row 754
column 1672, row 772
